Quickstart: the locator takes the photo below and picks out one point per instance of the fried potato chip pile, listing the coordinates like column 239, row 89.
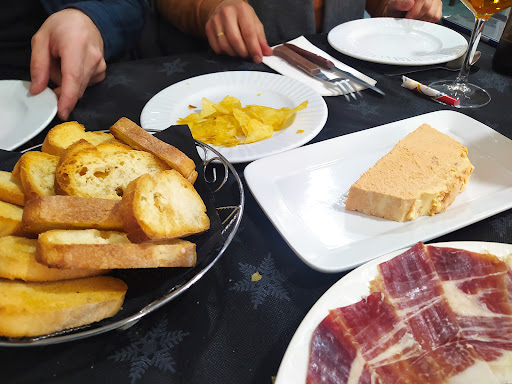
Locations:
column 228, row 124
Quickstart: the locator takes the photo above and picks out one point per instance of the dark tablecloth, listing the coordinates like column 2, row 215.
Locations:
column 225, row 328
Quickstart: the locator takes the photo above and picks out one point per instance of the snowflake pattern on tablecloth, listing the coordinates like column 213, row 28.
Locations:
column 499, row 83
column 150, row 350
column 176, row 66
column 503, row 226
column 80, row 115
column 261, row 281
column 115, row 79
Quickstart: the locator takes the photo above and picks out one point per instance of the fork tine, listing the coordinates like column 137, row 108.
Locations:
column 350, row 88
column 343, row 89
column 351, row 84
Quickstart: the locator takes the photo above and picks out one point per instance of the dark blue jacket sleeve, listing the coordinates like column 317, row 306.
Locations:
column 120, row 22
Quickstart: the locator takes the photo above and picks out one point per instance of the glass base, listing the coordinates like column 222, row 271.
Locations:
column 469, row 95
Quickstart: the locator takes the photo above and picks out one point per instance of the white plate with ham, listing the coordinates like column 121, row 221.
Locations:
column 435, row 313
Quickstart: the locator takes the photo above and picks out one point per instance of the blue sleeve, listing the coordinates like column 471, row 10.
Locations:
column 120, row 22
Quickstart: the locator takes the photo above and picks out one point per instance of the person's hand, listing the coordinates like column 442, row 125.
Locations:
column 426, row 10
column 68, row 49
column 234, row 29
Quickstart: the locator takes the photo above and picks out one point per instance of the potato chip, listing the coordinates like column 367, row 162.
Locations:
column 227, row 123
column 277, row 118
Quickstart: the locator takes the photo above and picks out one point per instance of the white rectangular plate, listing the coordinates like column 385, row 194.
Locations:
column 302, row 191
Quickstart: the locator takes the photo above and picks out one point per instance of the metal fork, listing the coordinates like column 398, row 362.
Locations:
column 344, row 85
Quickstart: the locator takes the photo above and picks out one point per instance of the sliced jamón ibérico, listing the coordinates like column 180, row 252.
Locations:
column 420, row 324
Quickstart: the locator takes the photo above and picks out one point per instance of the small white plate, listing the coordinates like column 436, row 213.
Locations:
column 387, row 40
column 349, row 290
column 261, row 88
column 302, row 191
column 23, row 115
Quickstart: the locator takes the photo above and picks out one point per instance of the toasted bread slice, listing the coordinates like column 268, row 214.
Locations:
column 93, row 249
column 63, row 135
column 34, row 309
column 10, row 220
column 103, row 171
column 136, row 137
column 37, row 173
column 44, row 213
column 18, row 261
column 162, row 206
column 11, row 189
column 421, row 175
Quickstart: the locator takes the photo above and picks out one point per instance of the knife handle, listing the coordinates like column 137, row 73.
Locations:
column 296, row 60
column 314, row 58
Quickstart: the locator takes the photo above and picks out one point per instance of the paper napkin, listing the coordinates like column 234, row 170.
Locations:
column 324, row 89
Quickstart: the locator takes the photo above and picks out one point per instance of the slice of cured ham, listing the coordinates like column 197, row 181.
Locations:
column 363, row 343
column 435, row 315
column 412, row 284
column 334, row 355
column 476, row 287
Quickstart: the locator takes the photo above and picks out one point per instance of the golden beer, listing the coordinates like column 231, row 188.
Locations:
column 483, row 9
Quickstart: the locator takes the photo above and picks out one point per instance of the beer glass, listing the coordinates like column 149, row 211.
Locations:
column 470, row 95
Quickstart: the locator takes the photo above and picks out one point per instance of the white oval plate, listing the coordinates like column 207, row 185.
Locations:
column 261, row 88
column 387, row 40
column 349, row 290
column 23, row 115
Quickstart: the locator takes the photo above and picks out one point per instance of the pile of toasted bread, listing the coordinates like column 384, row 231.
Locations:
column 87, row 203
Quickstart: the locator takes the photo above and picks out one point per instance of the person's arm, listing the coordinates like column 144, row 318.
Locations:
column 231, row 26
column 189, row 16
column 120, row 22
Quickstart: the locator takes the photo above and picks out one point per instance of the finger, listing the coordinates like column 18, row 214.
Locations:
column 39, row 63
column 225, row 46
column 241, row 30
column 419, row 9
column 251, row 35
column 434, row 14
column 401, row 5
column 94, row 69
column 265, row 49
column 218, row 37
column 211, row 35
column 229, row 35
column 72, row 68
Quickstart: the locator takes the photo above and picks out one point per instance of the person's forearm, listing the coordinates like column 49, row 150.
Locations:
column 189, row 16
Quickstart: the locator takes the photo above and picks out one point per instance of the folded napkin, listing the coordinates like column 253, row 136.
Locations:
column 324, row 89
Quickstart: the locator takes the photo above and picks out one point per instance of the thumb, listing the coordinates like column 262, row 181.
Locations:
column 400, row 5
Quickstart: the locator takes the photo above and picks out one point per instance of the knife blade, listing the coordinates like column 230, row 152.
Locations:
column 328, row 64
column 304, row 64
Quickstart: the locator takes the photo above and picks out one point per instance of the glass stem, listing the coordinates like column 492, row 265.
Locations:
column 473, row 43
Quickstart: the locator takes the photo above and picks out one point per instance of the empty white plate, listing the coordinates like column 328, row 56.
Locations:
column 23, row 115
column 387, row 40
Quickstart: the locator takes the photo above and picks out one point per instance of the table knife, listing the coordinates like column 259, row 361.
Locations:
column 303, row 64
column 328, row 64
